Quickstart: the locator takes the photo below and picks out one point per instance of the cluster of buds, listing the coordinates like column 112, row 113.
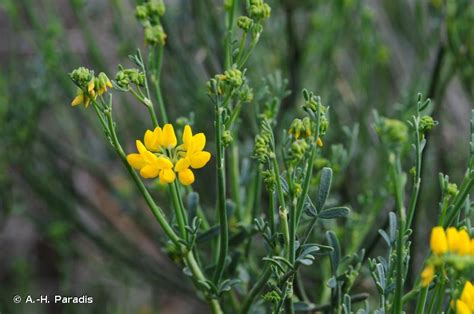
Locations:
column 258, row 10
column 231, row 79
column 426, row 124
column 465, row 303
column 300, row 128
column 451, row 247
column 263, row 152
column 297, row 151
column 125, row 77
column 392, row 131
column 89, row 85
column 149, row 15
column 312, row 106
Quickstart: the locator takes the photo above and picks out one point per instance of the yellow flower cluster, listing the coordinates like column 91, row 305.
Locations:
column 451, row 241
column 96, row 87
column 159, row 155
column 465, row 304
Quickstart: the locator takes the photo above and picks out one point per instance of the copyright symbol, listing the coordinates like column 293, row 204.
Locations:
column 17, row 299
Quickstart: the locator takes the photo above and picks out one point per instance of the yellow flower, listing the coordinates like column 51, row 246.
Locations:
column 194, row 156
column 427, row 275
column 150, row 165
column 81, row 98
column 152, row 139
column 319, row 142
column 462, row 308
column 467, row 295
column 453, row 239
column 464, row 245
column 168, row 138
column 438, row 241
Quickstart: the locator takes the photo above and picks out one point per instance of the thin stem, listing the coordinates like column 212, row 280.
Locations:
column 235, row 177
column 420, row 304
column 256, row 289
column 228, row 35
column 157, row 81
column 221, row 201
column 178, row 209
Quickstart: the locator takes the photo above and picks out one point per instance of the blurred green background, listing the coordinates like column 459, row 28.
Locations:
column 72, row 223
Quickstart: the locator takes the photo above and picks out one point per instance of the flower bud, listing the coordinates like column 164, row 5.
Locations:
column 244, row 23
column 141, row 13
column 438, row 242
column 155, row 35
column 426, row 124
column 259, row 10
column 81, row 76
column 156, row 8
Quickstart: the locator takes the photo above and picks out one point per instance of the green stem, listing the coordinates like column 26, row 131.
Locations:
column 398, row 302
column 271, row 212
column 157, row 81
column 234, row 174
column 228, row 35
column 256, row 289
column 199, row 276
column 178, row 209
column 420, row 304
column 221, row 201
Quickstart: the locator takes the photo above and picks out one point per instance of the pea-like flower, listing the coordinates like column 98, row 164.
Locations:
column 427, row 275
column 151, row 165
column 160, row 156
column 465, row 304
column 96, row 86
column 193, row 157
column 438, row 241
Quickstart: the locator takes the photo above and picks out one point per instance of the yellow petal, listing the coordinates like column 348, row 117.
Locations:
column 427, row 275
column 167, row 176
column 140, row 147
column 136, row 161
column 198, row 142
column 90, row 86
column 87, row 101
column 79, row 99
column 464, row 242
column 151, row 139
column 186, row 177
column 319, row 142
column 199, row 159
column 168, row 138
column 187, row 136
column 438, row 241
column 467, row 295
column 109, row 84
column 164, row 163
column 182, row 164
column 462, row 308
column 149, row 171
column 453, row 242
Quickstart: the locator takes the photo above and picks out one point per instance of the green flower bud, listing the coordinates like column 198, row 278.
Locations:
column 295, row 128
column 155, row 35
column 227, row 138
column 246, row 94
column 269, row 180
column 452, row 189
column 81, row 76
column 156, row 8
column 297, row 151
column 394, row 131
column 233, row 77
column 426, row 124
column 141, row 13
column 136, row 77
column 244, row 23
column 259, row 10
column 122, row 80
